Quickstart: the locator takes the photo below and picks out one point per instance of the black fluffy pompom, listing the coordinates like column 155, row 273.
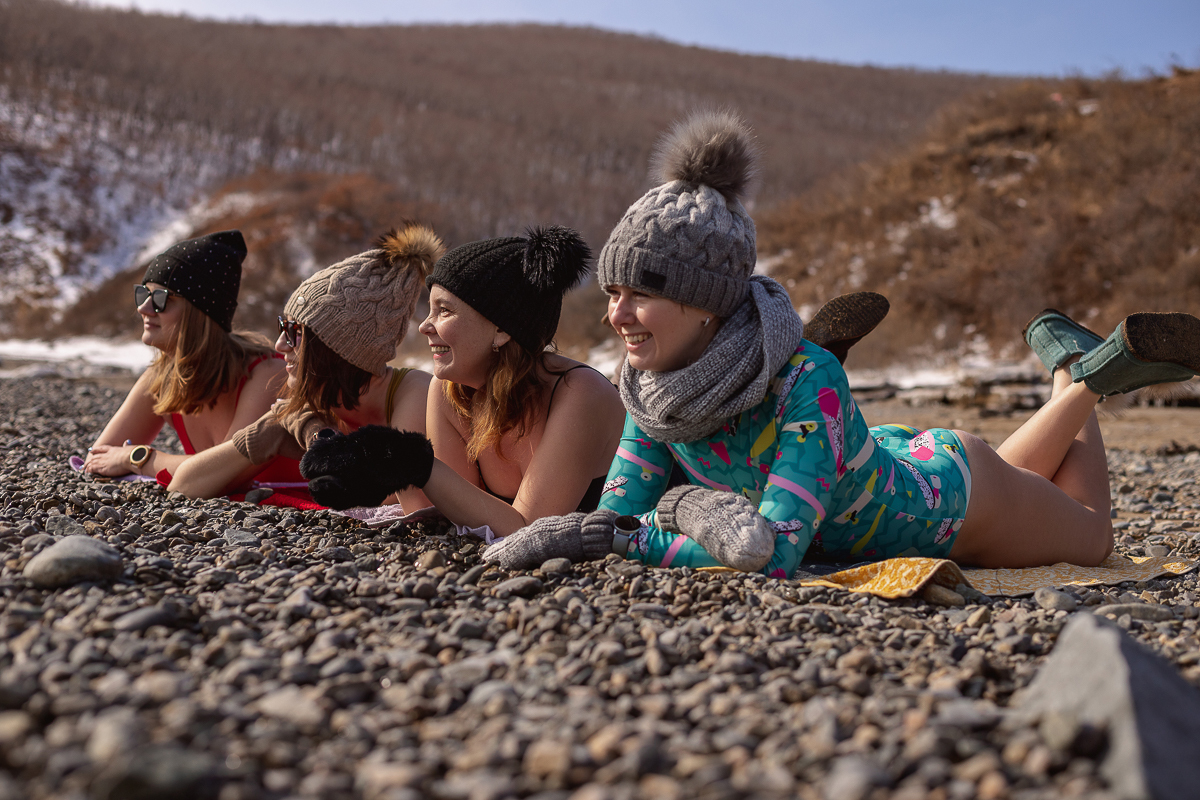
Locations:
column 555, row 258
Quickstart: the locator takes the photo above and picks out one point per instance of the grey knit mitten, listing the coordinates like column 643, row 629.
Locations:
column 578, row 537
column 725, row 524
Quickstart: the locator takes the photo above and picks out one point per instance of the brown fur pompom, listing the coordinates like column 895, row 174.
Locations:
column 713, row 148
column 413, row 245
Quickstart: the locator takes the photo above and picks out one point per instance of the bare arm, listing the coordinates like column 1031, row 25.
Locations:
column 216, row 471
column 135, row 421
column 577, row 446
column 409, row 415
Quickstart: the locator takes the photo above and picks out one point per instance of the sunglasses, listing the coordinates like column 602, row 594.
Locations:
column 291, row 331
column 158, row 297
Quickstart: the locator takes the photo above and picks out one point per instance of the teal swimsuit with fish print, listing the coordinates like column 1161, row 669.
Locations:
column 826, row 482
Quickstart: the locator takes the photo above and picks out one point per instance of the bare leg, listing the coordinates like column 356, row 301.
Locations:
column 1042, row 443
column 1017, row 518
column 1044, row 496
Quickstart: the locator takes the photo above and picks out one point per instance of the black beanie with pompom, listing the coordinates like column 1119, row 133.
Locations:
column 516, row 282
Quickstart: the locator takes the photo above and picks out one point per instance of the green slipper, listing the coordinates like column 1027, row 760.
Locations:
column 843, row 321
column 1145, row 349
column 1055, row 337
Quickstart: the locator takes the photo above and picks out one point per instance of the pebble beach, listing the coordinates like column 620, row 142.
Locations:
column 154, row 646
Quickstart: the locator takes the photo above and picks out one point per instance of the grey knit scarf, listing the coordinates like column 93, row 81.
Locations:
column 731, row 376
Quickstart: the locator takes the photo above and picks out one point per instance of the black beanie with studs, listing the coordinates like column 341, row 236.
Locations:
column 207, row 271
column 517, row 283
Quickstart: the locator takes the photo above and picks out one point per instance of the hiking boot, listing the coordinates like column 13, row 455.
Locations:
column 843, row 321
column 1145, row 349
column 1055, row 337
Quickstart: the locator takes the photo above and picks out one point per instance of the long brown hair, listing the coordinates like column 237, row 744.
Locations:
column 508, row 400
column 206, row 362
column 324, row 380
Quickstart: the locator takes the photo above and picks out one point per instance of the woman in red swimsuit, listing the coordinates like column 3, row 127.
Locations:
column 337, row 333
column 207, row 380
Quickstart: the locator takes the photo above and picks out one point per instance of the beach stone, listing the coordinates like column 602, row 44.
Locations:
column 941, row 596
column 60, row 525
column 240, row 537
column 556, row 566
column 522, row 586
column 546, row 757
column 170, row 518
column 1138, row 611
column 292, row 705
column 13, row 727
column 381, row 781
column 116, row 732
column 143, row 618
column 256, row 496
column 1100, row 676
column 72, row 560
column 853, row 778
column 1054, row 600
column 165, row 771
column 36, row 541
column 431, row 559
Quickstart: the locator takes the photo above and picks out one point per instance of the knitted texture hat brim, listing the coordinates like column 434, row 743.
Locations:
column 360, row 307
column 206, row 271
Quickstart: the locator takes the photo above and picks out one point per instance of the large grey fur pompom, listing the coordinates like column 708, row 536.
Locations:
column 714, row 148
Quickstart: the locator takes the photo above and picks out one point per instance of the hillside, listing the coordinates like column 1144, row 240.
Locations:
column 1080, row 195
column 480, row 129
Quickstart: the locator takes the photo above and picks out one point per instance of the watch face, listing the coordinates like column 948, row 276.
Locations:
column 140, row 454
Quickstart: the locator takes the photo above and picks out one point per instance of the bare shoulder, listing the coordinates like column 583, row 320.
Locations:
column 439, row 409
column 584, row 389
column 416, row 381
column 267, row 367
column 411, row 399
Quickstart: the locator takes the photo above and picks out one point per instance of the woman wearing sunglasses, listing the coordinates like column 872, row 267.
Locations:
column 336, row 334
column 207, row 380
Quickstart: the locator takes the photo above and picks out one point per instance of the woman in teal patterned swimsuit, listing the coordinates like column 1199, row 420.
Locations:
column 780, row 463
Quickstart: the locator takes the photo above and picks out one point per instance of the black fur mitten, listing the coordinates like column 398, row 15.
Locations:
column 364, row 467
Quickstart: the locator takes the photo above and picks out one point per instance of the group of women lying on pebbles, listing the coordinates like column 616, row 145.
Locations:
column 731, row 438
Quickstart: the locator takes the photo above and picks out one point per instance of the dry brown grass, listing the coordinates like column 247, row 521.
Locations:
column 1081, row 195
column 510, row 124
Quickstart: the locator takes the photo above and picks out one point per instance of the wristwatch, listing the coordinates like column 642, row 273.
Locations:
column 140, row 455
column 624, row 527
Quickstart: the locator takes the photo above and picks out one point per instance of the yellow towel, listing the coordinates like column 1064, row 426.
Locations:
column 904, row 577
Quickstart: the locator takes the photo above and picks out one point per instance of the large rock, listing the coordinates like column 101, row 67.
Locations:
column 1099, row 676
column 73, row 560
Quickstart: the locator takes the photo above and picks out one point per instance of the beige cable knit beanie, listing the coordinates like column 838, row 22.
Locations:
column 360, row 307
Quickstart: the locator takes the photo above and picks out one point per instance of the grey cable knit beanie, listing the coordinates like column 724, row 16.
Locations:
column 690, row 239
column 360, row 307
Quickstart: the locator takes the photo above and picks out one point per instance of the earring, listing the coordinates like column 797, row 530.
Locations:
column 495, row 347
column 706, row 321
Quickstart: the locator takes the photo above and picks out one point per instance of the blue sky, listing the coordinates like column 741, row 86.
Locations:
column 1044, row 37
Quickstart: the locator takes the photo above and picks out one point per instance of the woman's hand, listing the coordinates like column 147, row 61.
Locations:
column 109, row 460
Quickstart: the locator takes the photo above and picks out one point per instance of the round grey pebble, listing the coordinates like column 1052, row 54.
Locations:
column 73, row 560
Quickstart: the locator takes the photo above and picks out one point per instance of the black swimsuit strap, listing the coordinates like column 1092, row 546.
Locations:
column 597, row 483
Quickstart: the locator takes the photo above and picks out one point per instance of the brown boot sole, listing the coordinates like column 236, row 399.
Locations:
column 846, row 319
column 1171, row 337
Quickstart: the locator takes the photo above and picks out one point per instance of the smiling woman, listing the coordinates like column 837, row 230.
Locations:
column 519, row 432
